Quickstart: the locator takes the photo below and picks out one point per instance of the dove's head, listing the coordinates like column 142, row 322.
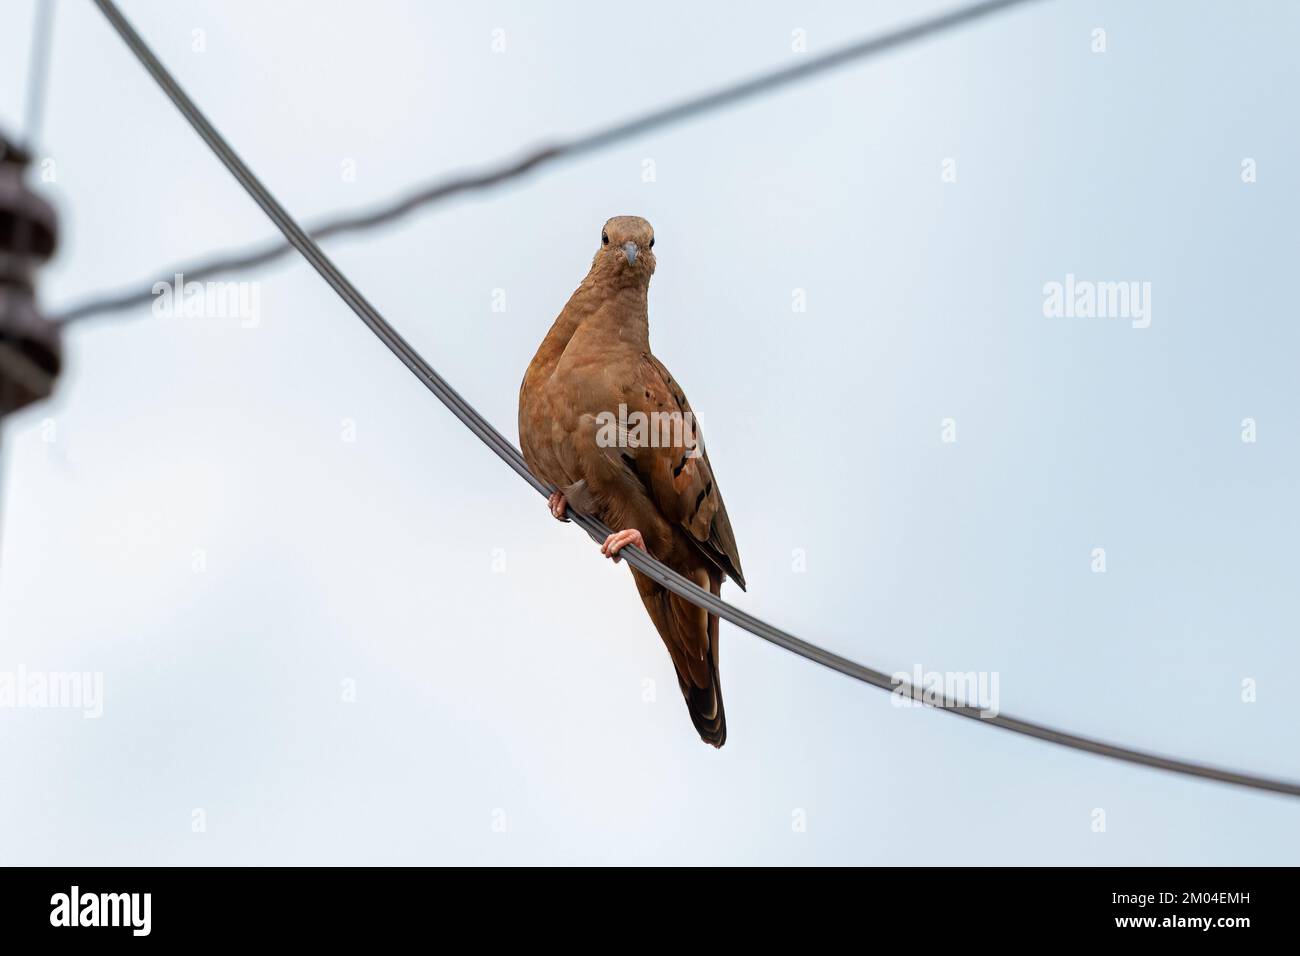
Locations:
column 626, row 251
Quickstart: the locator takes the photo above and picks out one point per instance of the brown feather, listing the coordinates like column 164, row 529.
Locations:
column 595, row 358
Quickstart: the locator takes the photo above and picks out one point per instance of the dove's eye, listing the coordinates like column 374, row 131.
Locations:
column 604, row 238
column 652, row 243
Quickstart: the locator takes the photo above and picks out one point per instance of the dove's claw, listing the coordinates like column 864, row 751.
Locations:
column 619, row 540
column 558, row 506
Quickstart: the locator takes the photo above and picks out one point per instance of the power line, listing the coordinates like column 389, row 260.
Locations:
column 501, row 172
column 38, row 71
column 642, row 561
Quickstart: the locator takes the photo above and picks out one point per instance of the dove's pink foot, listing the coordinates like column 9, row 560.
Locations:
column 558, row 506
column 619, row 540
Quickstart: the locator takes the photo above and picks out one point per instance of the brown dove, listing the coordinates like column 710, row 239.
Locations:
column 603, row 421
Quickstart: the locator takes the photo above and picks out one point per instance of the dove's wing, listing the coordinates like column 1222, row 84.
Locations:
column 682, row 486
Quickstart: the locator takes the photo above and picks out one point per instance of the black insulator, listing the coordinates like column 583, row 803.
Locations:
column 30, row 348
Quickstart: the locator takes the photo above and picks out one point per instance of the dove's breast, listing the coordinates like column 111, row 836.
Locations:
column 581, row 372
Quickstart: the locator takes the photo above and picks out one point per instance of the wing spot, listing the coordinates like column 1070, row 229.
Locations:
column 677, row 472
column 699, row 500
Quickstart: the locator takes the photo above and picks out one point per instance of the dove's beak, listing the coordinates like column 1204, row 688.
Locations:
column 630, row 250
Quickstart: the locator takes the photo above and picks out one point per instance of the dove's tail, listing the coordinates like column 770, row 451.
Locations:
column 691, row 636
column 705, row 703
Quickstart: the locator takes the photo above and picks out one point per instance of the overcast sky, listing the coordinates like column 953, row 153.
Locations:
column 333, row 628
